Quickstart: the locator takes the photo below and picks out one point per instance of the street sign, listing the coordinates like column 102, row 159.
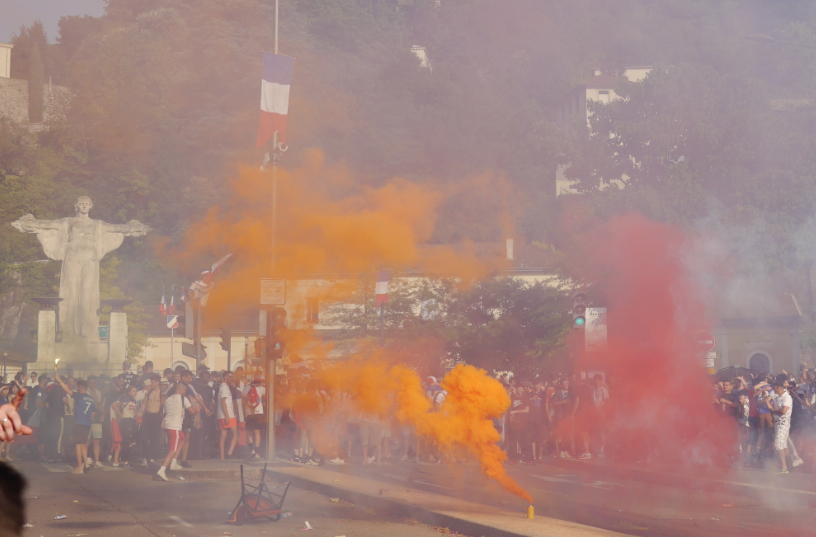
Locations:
column 172, row 321
column 188, row 349
column 273, row 292
column 596, row 329
column 709, row 361
column 705, row 342
column 104, row 332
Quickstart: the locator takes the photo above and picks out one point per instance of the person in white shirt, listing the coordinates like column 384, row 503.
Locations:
column 174, row 407
column 780, row 406
column 226, row 415
column 32, row 381
column 254, row 394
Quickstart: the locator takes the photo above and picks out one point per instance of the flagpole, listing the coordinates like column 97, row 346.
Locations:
column 271, row 366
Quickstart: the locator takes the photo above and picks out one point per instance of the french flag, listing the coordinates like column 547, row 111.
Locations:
column 172, row 301
column 163, row 305
column 381, row 289
column 277, row 77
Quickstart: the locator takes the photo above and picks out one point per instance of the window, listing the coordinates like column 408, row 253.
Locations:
column 603, row 96
column 312, row 307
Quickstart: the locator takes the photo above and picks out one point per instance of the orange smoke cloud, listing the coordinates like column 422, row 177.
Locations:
column 373, row 387
column 332, row 230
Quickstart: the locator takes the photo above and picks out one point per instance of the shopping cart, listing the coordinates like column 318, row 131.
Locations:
column 258, row 502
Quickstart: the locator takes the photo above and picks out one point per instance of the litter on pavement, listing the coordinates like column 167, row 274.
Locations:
column 60, row 517
column 28, row 525
column 307, row 526
column 334, row 500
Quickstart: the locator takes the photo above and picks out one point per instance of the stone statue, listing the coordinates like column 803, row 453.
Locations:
column 80, row 242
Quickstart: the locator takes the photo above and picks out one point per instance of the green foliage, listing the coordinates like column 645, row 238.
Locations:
column 36, row 79
column 24, row 43
column 502, row 324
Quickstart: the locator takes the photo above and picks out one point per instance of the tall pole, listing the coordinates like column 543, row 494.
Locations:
column 382, row 324
column 271, row 366
column 172, row 344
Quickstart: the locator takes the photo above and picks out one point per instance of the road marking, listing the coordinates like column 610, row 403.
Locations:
column 606, row 485
column 180, row 520
column 412, row 480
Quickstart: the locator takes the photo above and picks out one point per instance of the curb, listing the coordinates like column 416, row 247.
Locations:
column 403, row 510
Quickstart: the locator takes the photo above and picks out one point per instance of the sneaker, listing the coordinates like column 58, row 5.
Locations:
column 98, row 464
column 797, row 462
column 417, row 460
column 185, row 464
column 585, row 456
column 176, row 466
column 601, row 454
column 88, row 462
column 783, row 472
column 162, row 475
column 115, row 464
column 403, row 458
column 78, row 470
column 125, row 465
column 144, row 462
column 312, row 462
column 337, row 460
column 371, row 459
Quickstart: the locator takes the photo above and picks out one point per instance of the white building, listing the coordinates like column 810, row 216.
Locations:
column 572, row 110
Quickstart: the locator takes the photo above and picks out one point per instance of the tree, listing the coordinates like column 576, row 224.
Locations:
column 36, row 81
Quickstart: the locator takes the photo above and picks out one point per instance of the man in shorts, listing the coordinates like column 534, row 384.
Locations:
column 781, row 410
column 226, row 416
column 254, row 394
column 84, row 410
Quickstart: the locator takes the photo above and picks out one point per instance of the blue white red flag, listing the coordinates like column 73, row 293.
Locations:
column 172, row 300
column 163, row 305
column 277, row 77
column 381, row 289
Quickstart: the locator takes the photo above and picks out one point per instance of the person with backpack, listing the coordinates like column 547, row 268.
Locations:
column 254, row 394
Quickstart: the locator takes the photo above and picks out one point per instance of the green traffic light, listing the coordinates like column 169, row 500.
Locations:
column 580, row 321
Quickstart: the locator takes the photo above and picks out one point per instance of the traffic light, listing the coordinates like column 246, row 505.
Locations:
column 579, row 304
column 275, row 326
column 226, row 339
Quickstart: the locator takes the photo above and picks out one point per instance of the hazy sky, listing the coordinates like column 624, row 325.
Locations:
column 16, row 13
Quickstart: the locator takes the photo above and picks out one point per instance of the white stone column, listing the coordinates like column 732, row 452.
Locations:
column 117, row 342
column 46, row 336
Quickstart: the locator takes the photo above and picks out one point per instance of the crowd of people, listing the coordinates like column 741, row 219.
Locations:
column 560, row 417
column 169, row 419
column 771, row 415
column 138, row 419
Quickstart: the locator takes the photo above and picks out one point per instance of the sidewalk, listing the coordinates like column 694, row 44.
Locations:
column 434, row 509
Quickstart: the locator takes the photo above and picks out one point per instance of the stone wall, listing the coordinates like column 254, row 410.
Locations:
column 14, row 101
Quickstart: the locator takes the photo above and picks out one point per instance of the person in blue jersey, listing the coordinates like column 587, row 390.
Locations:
column 84, row 409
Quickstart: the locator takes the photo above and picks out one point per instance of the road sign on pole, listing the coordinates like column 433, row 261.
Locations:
column 172, row 321
column 705, row 342
column 273, row 292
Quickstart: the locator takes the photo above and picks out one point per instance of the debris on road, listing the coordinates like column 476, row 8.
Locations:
column 307, row 526
column 334, row 500
column 28, row 525
column 76, row 501
column 286, row 514
column 60, row 517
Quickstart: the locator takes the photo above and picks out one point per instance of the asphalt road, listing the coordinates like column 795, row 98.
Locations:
column 675, row 503
column 124, row 503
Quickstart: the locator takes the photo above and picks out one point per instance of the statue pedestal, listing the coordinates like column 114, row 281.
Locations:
column 117, row 344
column 46, row 336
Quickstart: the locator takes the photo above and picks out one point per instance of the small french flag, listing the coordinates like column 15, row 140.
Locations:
column 172, row 300
column 277, row 77
column 381, row 289
column 163, row 305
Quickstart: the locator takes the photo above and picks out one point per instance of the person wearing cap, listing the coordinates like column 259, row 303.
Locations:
column 254, row 394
